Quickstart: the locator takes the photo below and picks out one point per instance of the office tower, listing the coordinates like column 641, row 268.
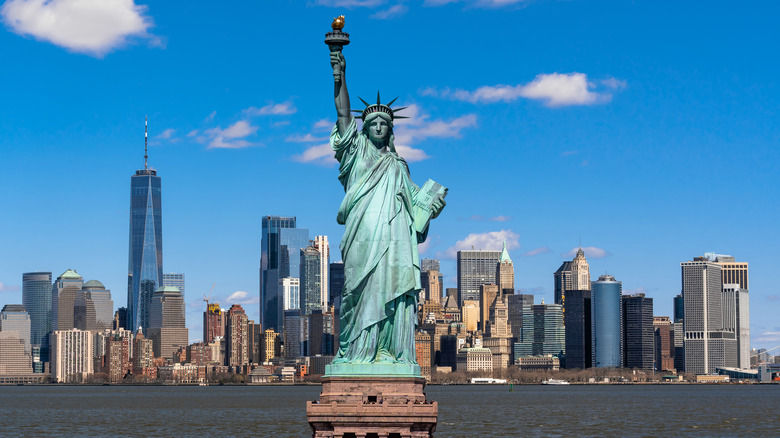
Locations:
column 542, row 332
column 498, row 323
column 175, row 279
column 505, row 273
column 145, row 258
column 663, row 343
column 475, row 268
column 678, row 343
column 487, row 296
column 270, row 347
column 291, row 293
column 469, row 314
column 679, row 306
column 71, row 355
column 336, row 283
column 253, row 332
column 606, row 322
column 281, row 243
column 321, row 333
column 310, row 280
column 515, row 303
column 423, row 352
column 65, row 290
column 37, row 294
column 429, row 265
column 93, row 308
column 563, row 282
column 167, row 328
column 15, row 358
column 579, row 348
column 710, row 339
column 14, row 319
column 143, row 353
column 580, row 272
column 734, row 276
column 431, row 286
column 237, row 343
column 296, row 334
column 638, row 351
column 321, row 243
column 213, row 322
column 117, row 362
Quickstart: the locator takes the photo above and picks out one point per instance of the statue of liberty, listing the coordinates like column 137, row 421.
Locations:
column 385, row 216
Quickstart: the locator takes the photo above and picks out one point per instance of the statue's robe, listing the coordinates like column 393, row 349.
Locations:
column 379, row 250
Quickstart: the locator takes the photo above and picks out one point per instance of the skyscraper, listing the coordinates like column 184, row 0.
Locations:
column 37, row 296
column 65, row 290
column 664, row 345
column 679, row 308
column 237, row 342
column 145, row 258
column 475, row 268
column 291, row 293
column 563, row 282
column 638, row 339
column 579, row 348
column 281, row 243
column 542, row 331
column 175, row 279
column 15, row 319
column 321, row 243
column 735, row 282
column 606, row 322
column 710, row 339
column 336, row 283
column 506, row 273
column 580, row 272
column 431, row 286
column 71, row 355
column 94, row 307
column 429, row 265
column 310, row 280
column 167, row 328
column 488, row 293
column 213, row 323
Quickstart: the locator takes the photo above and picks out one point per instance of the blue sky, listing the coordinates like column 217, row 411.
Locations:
column 649, row 129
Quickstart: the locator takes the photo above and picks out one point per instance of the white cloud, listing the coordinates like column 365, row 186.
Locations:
column 536, row 251
column 165, row 135
column 210, row 117
column 591, row 252
column 500, row 218
column 8, row 288
column 476, row 3
column 272, row 109
column 93, row 27
column 308, row 138
column 232, row 137
column 320, row 154
column 772, row 336
column 242, row 297
column 492, row 240
column 411, row 154
column 192, row 133
column 422, row 248
column 615, row 84
column 392, row 12
column 554, row 89
column 349, row 4
column 567, row 153
column 324, row 124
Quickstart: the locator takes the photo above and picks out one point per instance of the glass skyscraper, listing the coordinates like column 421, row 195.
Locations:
column 606, row 322
column 144, row 267
column 37, row 296
column 476, row 268
column 281, row 243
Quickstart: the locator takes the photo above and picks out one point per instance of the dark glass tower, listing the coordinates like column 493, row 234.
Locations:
column 144, row 267
column 37, row 299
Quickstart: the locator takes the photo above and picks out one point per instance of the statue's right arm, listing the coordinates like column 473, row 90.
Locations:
column 340, row 93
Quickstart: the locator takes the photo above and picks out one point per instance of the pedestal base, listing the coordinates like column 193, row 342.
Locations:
column 372, row 407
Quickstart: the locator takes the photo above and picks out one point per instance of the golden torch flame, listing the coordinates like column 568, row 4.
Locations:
column 338, row 23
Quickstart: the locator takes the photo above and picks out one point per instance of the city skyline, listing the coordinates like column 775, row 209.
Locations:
column 641, row 189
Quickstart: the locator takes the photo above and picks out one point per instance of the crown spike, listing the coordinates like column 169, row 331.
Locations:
column 395, row 110
column 377, row 98
column 391, row 102
column 400, row 117
column 364, row 102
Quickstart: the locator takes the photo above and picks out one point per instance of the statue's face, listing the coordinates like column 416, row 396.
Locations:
column 378, row 129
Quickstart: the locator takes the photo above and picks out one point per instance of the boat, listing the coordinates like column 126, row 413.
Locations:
column 552, row 381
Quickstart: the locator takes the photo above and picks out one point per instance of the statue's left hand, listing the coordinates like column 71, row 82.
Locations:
column 438, row 205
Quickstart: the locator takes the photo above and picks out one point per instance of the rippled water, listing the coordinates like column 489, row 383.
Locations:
column 464, row 411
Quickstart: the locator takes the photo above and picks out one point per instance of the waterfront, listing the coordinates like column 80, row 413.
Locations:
column 464, row 411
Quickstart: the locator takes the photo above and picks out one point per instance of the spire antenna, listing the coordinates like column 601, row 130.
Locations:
column 146, row 143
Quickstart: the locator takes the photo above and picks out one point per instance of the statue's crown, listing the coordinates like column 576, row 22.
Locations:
column 379, row 107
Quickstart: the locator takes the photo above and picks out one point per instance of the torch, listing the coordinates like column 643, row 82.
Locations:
column 336, row 41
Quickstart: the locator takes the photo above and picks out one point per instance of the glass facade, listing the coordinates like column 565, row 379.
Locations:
column 14, row 318
column 606, row 322
column 578, row 325
column 542, row 331
column 311, row 292
column 476, row 268
column 144, row 272
column 37, row 296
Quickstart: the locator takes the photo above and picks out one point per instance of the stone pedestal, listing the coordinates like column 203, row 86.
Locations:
column 372, row 407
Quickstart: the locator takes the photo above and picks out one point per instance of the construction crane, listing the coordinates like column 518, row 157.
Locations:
column 208, row 298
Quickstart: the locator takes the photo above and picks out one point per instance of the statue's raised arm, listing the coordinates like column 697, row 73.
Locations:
column 340, row 90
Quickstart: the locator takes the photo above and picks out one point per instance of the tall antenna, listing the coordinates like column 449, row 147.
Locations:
column 146, row 147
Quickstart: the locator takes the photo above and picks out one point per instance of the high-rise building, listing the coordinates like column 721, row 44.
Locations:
column 475, row 268
column 15, row 358
column 638, row 339
column 167, row 328
column 710, row 337
column 429, row 265
column 291, row 293
column 580, row 272
column 296, row 334
column 145, row 258
column 65, row 290
column 679, row 308
column 213, row 323
column 281, row 243
column 678, row 342
column 487, row 296
column 734, row 276
column 71, row 355
column 93, row 308
column 431, row 286
column 37, row 294
column 143, row 354
column 423, row 349
column 336, row 283
column 270, row 347
column 175, row 279
column 542, row 332
column 664, row 346
column 253, row 335
column 469, row 314
column 563, row 282
column 310, row 280
column 14, row 319
column 505, row 273
column 321, row 243
column 498, row 324
column 515, row 303
column 606, row 322
column 322, row 333
column 120, row 319
column 237, row 343
column 579, row 348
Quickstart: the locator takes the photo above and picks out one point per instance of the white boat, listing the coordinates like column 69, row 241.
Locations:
column 552, row 381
